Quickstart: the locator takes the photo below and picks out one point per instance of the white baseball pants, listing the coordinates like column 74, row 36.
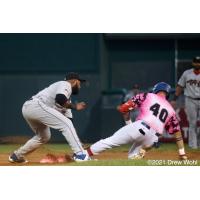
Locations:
column 41, row 118
column 139, row 135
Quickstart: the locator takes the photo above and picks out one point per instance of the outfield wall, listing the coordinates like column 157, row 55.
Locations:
column 29, row 62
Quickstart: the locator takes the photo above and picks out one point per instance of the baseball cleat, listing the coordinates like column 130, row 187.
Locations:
column 135, row 157
column 14, row 159
column 138, row 156
column 81, row 157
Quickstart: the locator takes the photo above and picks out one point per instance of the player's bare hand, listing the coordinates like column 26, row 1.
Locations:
column 80, row 106
column 118, row 108
column 183, row 157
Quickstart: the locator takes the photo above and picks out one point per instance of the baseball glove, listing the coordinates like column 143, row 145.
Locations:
column 51, row 159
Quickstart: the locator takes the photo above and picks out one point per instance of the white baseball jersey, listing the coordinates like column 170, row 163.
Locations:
column 191, row 83
column 48, row 95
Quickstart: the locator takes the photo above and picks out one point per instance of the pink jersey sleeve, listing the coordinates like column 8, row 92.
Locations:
column 172, row 126
column 138, row 99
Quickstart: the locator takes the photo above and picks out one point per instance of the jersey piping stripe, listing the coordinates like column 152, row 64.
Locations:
column 64, row 123
column 67, row 91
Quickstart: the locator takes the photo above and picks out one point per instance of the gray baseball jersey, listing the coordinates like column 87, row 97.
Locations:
column 42, row 113
column 191, row 83
column 47, row 96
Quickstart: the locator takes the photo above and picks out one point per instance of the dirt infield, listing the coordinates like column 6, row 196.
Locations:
column 35, row 157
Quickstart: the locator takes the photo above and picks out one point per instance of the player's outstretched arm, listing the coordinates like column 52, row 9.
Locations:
column 62, row 100
column 80, row 106
column 127, row 118
column 125, row 109
column 77, row 106
column 180, row 145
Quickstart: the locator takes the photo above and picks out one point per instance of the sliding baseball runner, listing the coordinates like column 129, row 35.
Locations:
column 155, row 114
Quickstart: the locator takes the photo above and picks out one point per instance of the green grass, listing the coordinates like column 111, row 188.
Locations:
column 111, row 163
column 63, row 148
column 5, row 148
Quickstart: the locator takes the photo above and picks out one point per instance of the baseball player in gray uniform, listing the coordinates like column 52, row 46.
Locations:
column 190, row 83
column 51, row 108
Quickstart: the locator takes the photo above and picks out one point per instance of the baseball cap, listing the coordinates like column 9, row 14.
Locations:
column 73, row 75
column 196, row 59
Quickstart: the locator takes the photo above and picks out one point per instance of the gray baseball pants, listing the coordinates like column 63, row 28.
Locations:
column 41, row 118
column 192, row 109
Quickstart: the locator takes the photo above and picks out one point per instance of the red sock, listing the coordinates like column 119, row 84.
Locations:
column 89, row 152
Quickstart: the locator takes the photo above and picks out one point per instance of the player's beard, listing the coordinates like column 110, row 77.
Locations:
column 196, row 67
column 75, row 90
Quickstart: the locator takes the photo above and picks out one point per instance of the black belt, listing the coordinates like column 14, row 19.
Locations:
column 198, row 99
column 148, row 127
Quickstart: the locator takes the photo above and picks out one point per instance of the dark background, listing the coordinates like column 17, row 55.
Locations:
column 110, row 62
